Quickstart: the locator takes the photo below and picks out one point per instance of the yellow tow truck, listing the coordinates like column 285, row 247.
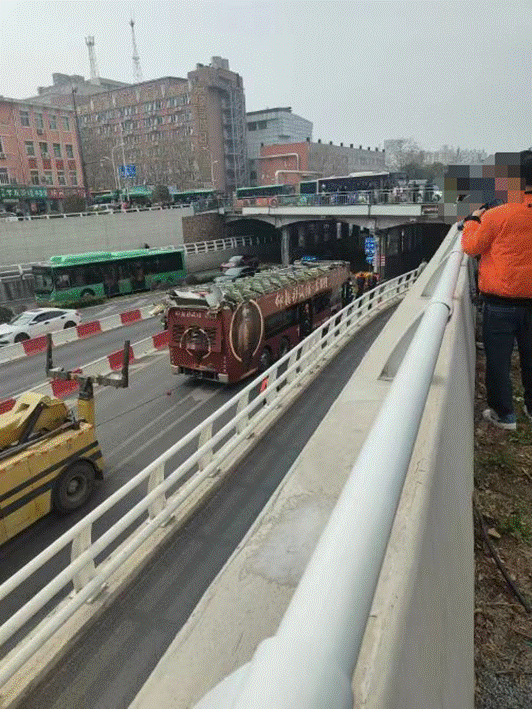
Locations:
column 49, row 457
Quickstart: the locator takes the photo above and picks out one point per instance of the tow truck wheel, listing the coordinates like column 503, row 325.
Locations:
column 74, row 487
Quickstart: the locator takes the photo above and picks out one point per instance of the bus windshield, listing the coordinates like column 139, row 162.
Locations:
column 42, row 280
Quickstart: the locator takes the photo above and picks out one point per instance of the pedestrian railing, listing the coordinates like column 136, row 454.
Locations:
column 18, row 271
column 163, row 490
column 195, row 207
column 335, row 199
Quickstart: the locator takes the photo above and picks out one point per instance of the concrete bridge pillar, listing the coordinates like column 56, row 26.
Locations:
column 301, row 236
column 285, row 245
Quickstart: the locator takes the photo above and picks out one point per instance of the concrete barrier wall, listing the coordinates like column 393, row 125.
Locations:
column 418, row 646
column 36, row 240
column 213, row 259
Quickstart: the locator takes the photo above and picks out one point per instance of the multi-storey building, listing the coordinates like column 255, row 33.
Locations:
column 273, row 126
column 184, row 133
column 39, row 157
column 290, row 163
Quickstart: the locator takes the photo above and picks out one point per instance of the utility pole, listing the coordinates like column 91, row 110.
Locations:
column 80, row 148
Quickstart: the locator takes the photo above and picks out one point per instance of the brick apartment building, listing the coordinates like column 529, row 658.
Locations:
column 290, row 163
column 39, row 157
column 184, row 133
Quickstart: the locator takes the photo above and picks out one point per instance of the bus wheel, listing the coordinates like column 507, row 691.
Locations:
column 87, row 295
column 265, row 359
column 74, row 487
column 284, row 346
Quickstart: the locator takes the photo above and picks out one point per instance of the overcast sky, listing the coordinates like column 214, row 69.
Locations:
column 456, row 73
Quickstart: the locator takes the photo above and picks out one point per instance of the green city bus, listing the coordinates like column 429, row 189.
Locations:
column 191, row 196
column 74, row 279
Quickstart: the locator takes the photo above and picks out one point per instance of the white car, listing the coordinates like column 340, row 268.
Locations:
column 33, row 323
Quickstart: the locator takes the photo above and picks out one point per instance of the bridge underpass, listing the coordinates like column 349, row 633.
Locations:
column 403, row 246
column 112, row 661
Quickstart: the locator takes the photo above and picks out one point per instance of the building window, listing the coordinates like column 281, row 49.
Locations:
column 25, row 118
column 61, row 178
column 69, row 151
column 1, row 146
column 30, row 147
column 261, row 125
column 39, row 122
column 252, row 126
column 66, row 124
column 4, row 177
column 57, row 150
column 53, row 122
column 48, row 178
column 44, row 149
column 73, row 179
column 34, row 176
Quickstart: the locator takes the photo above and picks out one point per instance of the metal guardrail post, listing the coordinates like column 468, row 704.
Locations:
column 243, row 402
column 204, row 437
column 155, row 479
column 81, row 542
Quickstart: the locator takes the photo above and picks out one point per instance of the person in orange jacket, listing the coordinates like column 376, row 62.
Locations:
column 502, row 237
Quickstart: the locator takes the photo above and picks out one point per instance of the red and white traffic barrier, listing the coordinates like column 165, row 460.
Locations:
column 80, row 332
column 113, row 361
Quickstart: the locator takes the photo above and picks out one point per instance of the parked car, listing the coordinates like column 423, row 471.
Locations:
column 231, row 274
column 33, row 323
column 241, row 260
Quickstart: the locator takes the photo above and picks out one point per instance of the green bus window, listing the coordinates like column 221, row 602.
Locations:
column 62, row 280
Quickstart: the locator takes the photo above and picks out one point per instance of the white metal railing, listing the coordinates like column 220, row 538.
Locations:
column 215, row 443
column 198, row 247
column 310, row 661
column 332, row 199
column 97, row 213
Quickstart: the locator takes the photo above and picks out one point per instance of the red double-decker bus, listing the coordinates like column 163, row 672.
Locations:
column 227, row 332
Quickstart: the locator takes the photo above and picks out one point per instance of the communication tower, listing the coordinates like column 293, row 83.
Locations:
column 95, row 77
column 137, row 71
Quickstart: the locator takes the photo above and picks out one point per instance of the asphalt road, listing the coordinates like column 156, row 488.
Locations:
column 114, row 660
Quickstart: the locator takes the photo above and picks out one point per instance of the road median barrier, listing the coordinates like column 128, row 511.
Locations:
column 82, row 331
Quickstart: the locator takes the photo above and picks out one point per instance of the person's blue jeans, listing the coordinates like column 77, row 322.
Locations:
column 502, row 325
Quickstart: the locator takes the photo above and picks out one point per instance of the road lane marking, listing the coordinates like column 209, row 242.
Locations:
column 160, row 434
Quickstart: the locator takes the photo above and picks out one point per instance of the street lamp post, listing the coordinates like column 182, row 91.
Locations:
column 212, row 172
column 80, row 146
column 111, row 160
column 117, row 173
column 124, row 159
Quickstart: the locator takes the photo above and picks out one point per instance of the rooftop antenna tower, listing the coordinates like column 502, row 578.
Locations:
column 137, row 71
column 95, row 77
